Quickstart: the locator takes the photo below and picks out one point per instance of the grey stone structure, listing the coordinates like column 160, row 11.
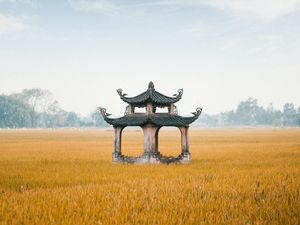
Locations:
column 151, row 122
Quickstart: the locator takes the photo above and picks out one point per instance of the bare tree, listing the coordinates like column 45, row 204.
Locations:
column 38, row 101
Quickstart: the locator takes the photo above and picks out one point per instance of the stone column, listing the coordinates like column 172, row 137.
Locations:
column 150, row 143
column 130, row 109
column 185, row 152
column 117, row 143
column 149, row 108
column 171, row 109
column 156, row 139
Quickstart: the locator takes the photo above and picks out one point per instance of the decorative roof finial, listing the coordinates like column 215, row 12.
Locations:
column 151, row 85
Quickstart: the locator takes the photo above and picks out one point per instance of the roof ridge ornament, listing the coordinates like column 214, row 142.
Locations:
column 120, row 92
column 151, row 85
column 103, row 112
column 198, row 112
column 180, row 92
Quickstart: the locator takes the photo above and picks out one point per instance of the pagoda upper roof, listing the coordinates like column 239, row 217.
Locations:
column 150, row 95
column 159, row 119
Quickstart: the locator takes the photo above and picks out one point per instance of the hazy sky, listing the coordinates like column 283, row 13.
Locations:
column 219, row 51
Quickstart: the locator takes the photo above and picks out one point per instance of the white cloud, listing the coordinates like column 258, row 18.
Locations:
column 102, row 6
column 265, row 10
column 262, row 9
column 11, row 24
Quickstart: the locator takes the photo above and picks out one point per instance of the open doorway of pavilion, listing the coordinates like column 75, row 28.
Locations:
column 132, row 141
column 169, row 143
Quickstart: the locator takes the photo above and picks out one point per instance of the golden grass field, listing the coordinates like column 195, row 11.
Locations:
column 66, row 177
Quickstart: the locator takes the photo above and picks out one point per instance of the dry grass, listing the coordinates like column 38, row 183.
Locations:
column 66, row 177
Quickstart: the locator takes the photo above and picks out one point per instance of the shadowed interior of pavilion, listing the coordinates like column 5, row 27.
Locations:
column 151, row 121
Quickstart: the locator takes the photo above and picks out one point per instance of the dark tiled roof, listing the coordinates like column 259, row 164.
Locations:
column 151, row 95
column 159, row 119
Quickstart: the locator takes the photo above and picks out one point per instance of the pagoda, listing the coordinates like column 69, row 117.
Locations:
column 151, row 121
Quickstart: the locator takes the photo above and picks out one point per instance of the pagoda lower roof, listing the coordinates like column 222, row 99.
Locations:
column 159, row 119
column 150, row 95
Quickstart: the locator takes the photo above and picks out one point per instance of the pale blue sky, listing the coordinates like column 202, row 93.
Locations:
column 219, row 52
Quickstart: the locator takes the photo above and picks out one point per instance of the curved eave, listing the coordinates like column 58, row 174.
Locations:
column 138, row 100
column 153, row 96
column 156, row 119
column 127, row 121
column 173, row 120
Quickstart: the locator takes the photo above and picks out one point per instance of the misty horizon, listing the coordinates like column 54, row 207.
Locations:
column 123, row 105
column 37, row 108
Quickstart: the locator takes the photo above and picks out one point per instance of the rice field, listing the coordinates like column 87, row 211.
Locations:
column 66, row 177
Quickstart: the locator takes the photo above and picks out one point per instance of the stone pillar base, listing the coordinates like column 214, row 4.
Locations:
column 117, row 157
column 185, row 157
column 150, row 157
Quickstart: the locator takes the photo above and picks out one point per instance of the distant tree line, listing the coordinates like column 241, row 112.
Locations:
column 249, row 113
column 34, row 108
